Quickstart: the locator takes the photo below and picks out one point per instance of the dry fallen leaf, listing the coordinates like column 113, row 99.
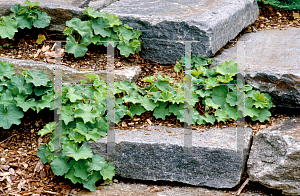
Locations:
column 8, row 185
column 39, row 166
column 149, row 121
column 45, row 48
column 4, row 173
column 50, row 54
column 296, row 15
column 124, row 124
column 37, row 53
column 40, row 140
column 122, row 134
column 49, row 60
column 4, row 167
column 21, row 183
column 25, row 165
column 53, row 47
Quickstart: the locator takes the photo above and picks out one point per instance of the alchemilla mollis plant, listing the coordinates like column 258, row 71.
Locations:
column 23, row 17
column 32, row 90
column 98, row 30
column 84, row 112
column 222, row 94
column 83, row 119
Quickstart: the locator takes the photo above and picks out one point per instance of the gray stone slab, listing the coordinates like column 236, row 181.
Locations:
column 70, row 75
column 156, row 155
column 100, row 4
column 271, row 63
column 212, row 22
column 274, row 160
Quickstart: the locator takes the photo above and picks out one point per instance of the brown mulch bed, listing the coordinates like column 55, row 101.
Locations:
column 21, row 172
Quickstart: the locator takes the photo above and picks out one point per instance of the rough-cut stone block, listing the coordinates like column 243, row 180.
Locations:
column 274, row 160
column 100, row 4
column 70, row 75
column 272, row 63
column 214, row 160
column 212, row 22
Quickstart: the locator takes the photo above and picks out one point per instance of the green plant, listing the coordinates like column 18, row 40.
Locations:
column 195, row 61
column 83, row 120
column 40, row 39
column 7, row 46
column 99, row 30
column 281, row 4
column 222, row 94
column 23, row 17
column 83, row 111
column 32, row 90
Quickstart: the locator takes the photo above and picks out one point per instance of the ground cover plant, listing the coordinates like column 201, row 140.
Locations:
column 281, row 4
column 23, row 17
column 34, row 90
column 84, row 110
column 99, row 30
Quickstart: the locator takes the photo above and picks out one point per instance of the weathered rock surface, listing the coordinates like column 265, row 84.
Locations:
column 98, row 5
column 156, row 155
column 70, row 75
column 274, row 159
column 272, row 64
column 213, row 23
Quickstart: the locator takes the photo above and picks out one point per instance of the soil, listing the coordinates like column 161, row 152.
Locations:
column 21, row 172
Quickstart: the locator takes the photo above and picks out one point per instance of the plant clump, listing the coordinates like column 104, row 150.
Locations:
column 23, row 17
column 101, row 29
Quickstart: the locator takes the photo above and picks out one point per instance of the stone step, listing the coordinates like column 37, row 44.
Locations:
column 211, row 23
column 274, row 160
column 270, row 61
column 70, row 75
column 217, row 157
